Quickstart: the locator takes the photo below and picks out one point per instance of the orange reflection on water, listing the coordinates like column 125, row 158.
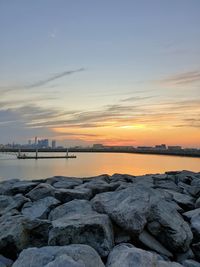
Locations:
column 91, row 164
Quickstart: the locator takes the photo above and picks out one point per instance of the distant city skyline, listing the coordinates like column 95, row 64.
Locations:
column 111, row 72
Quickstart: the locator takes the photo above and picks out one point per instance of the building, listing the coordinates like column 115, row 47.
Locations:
column 174, row 147
column 36, row 141
column 43, row 143
column 53, row 144
column 161, row 147
column 98, row 146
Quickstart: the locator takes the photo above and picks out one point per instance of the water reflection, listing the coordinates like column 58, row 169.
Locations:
column 91, row 164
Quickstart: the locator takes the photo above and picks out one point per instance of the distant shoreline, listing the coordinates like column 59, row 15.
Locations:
column 178, row 153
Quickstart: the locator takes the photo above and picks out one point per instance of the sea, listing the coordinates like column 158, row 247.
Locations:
column 93, row 164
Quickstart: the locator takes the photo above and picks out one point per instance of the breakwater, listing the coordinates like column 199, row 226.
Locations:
column 116, row 221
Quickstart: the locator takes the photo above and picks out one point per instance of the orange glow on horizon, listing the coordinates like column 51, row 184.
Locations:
column 132, row 135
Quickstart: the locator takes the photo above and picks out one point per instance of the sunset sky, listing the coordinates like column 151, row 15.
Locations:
column 117, row 72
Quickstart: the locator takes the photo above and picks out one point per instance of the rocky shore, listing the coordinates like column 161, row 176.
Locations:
column 105, row 221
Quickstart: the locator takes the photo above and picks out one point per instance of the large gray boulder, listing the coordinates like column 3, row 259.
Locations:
column 128, row 208
column 8, row 203
column 39, row 209
column 18, row 232
column 127, row 255
column 66, row 256
column 77, row 206
column 40, row 191
column 92, row 229
column 169, row 227
column 133, row 207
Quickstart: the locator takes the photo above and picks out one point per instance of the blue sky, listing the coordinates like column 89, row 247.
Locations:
column 133, row 55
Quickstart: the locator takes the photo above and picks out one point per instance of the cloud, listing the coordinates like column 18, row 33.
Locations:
column 136, row 98
column 4, row 90
column 53, row 78
column 182, row 78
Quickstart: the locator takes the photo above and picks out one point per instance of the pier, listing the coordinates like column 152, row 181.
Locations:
column 24, row 156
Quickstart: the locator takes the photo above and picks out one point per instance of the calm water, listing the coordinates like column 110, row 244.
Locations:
column 91, row 164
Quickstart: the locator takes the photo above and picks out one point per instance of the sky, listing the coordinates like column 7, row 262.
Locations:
column 117, row 72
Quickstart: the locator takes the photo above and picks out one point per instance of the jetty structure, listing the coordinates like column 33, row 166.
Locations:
column 36, row 156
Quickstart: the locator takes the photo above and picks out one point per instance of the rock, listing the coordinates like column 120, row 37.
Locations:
column 189, row 189
column 5, row 261
column 40, row 208
column 72, row 207
column 120, row 236
column 150, row 242
column 66, row 195
column 5, row 186
column 168, row 226
column 22, row 187
column 64, row 179
column 126, row 178
column 196, row 250
column 166, row 184
column 18, row 232
column 66, row 184
column 66, row 256
column 99, row 178
column 41, row 191
column 185, row 201
column 197, row 204
column 127, row 255
column 191, row 213
column 9, row 203
column 181, row 257
column 127, row 208
column 191, row 263
column 196, row 182
column 92, row 229
column 98, row 186
column 195, row 226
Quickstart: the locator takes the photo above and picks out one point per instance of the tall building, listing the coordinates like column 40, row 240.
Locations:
column 36, row 141
column 53, row 144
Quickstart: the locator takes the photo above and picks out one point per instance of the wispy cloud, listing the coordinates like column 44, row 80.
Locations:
column 182, row 78
column 5, row 90
column 53, row 78
column 136, row 98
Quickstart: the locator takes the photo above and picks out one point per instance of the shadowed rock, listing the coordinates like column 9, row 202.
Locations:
column 92, row 229
column 18, row 232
